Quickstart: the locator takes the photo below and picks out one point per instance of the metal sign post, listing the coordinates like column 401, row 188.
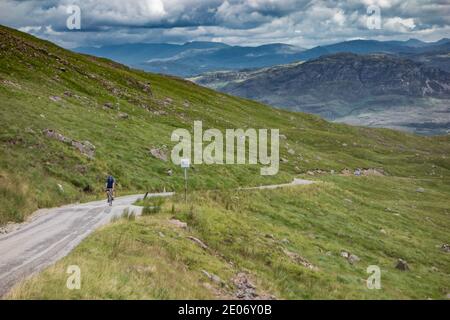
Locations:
column 185, row 165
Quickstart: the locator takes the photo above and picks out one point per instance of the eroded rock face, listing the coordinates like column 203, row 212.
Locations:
column 55, row 135
column 246, row 290
column 159, row 153
column 300, row 260
column 85, row 147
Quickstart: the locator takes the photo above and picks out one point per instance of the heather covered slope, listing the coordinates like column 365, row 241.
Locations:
column 124, row 113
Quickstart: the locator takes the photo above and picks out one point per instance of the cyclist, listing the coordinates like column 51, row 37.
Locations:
column 110, row 184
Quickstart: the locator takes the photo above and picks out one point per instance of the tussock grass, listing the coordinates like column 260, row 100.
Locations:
column 251, row 231
column 32, row 165
column 151, row 205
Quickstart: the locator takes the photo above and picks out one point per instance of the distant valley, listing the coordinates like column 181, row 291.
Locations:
column 396, row 84
column 377, row 90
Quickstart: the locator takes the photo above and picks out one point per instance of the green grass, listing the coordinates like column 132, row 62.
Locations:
column 245, row 231
column 151, row 205
column 32, row 165
column 250, row 232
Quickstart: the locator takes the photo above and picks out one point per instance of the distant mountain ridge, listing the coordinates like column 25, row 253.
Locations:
column 194, row 57
column 346, row 85
column 415, row 98
column 198, row 57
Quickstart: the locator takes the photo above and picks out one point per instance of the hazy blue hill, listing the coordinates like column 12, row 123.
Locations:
column 193, row 58
column 416, row 43
column 132, row 54
column 412, row 46
column 203, row 45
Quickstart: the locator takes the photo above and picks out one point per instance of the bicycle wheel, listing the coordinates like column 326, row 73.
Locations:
column 110, row 197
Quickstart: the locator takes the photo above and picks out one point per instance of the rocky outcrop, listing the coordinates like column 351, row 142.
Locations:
column 213, row 277
column 159, row 153
column 55, row 135
column 445, row 247
column 123, row 115
column 55, row 98
column 351, row 258
column 199, row 242
column 300, row 260
column 85, row 147
column 402, row 265
column 246, row 289
column 178, row 223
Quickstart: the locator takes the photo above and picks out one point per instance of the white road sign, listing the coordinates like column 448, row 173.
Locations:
column 185, row 163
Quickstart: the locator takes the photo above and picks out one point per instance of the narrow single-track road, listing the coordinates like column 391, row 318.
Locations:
column 52, row 233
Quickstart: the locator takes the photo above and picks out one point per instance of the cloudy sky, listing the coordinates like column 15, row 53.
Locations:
column 305, row 23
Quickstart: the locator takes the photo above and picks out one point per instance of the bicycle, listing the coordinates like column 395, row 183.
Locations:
column 109, row 193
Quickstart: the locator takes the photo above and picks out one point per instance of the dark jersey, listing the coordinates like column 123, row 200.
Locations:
column 110, row 182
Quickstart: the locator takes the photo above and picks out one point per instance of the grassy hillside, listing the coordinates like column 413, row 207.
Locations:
column 124, row 113
column 286, row 242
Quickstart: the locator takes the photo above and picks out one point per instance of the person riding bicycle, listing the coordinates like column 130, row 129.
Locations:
column 110, row 184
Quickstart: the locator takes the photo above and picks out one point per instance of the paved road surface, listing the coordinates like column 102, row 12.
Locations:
column 52, row 233
column 295, row 182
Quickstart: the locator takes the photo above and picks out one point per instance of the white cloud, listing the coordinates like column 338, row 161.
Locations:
column 30, row 29
column 301, row 22
column 399, row 24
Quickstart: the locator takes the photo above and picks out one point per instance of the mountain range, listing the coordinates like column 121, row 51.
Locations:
column 395, row 84
column 194, row 58
column 373, row 89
